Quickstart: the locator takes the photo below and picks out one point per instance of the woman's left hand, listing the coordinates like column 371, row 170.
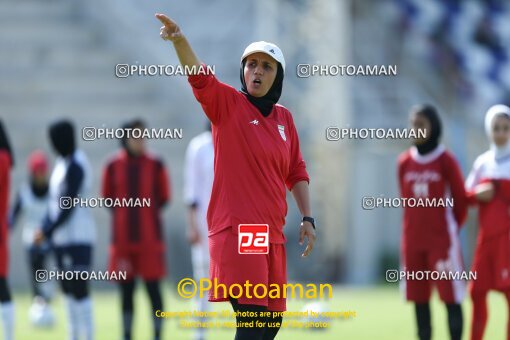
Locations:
column 307, row 230
column 38, row 237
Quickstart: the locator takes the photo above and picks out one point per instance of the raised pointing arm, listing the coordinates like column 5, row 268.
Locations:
column 171, row 31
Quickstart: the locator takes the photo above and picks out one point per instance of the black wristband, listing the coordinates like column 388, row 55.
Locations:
column 309, row 219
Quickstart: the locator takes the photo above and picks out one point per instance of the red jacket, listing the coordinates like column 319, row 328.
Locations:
column 493, row 216
column 435, row 175
column 256, row 159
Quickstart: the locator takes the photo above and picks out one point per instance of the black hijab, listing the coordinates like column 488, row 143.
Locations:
column 264, row 104
column 62, row 137
column 4, row 143
column 430, row 113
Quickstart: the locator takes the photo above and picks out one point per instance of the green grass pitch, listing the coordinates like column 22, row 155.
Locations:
column 380, row 314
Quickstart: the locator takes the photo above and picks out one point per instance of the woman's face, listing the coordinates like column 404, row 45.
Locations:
column 501, row 130
column 136, row 145
column 259, row 73
column 420, row 122
column 40, row 178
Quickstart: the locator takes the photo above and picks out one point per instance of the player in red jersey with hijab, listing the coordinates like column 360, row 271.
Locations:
column 257, row 157
column 430, row 239
column 6, row 305
column 488, row 186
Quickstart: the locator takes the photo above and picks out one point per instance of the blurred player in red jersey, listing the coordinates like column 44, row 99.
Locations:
column 256, row 158
column 488, row 186
column 137, row 244
column 430, row 234
column 6, row 305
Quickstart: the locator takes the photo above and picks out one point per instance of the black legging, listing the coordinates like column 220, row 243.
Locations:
column 422, row 311
column 127, row 290
column 36, row 262
column 5, row 294
column 79, row 257
column 77, row 288
column 455, row 321
column 254, row 333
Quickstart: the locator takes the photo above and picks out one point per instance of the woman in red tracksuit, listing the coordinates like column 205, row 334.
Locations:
column 256, row 158
column 488, row 186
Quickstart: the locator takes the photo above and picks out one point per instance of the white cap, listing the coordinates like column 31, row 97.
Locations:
column 267, row 48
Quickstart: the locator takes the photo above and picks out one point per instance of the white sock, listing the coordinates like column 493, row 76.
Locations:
column 73, row 317
column 86, row 317
column 203, row 306
column 8, row 319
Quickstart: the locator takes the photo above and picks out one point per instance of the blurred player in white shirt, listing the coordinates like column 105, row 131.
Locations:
column 29, row 210
column 198, row 179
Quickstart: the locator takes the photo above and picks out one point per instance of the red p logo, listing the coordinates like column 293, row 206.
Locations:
column 253, row 239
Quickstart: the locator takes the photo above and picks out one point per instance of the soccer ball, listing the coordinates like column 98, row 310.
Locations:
column 316, row 321
column 40, row 313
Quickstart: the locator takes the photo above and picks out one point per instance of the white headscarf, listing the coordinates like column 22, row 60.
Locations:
column 492, row 113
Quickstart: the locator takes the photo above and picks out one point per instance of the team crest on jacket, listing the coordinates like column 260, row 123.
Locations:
column 281, row 128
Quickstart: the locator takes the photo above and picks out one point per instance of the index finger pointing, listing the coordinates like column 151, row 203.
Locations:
column 164, row 19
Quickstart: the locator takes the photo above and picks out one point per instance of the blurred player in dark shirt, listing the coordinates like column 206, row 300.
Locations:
column 137, row 244
column 70, row 229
